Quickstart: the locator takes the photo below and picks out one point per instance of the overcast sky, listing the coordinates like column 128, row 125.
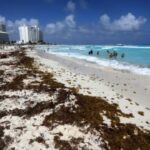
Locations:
column 81, row 21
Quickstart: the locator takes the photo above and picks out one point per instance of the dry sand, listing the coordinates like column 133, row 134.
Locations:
column 29, row 97
column 107, row 82
column 129, row 91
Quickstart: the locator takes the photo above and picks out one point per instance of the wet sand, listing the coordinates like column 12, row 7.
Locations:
column 37, row 111
column 128, row 91
column 118, row 83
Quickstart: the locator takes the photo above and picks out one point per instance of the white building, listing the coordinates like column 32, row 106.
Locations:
column 2, row 27
column 29, row 34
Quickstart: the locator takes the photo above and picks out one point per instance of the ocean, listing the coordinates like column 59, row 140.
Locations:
column 136, row 58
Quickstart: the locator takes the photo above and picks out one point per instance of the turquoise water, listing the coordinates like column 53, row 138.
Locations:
column 137, row 58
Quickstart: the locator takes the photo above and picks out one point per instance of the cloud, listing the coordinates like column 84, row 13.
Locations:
column 85, row 30
column 2, row 19
column 52, row 28
column 83, row 4
column 71, row 6
column 23, row 21
column 12, row 26
column 68, row 30
column 66, row 25
column 125, row 23
column 69, row 20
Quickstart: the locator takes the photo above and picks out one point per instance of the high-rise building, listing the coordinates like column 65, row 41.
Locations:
column 29, row 34
column 3, row 34
column 2, row 27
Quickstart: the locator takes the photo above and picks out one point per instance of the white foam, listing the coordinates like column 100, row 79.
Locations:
column 61, row 50
column 108, row 63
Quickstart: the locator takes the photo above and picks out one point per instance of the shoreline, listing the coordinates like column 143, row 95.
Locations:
column 45, row 105
column 129, row 85
column 92, row 85
column 105, row 83
column 126, row 65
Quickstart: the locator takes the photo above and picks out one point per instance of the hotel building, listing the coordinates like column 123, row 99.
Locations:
column 29, row 34
column 3, row 34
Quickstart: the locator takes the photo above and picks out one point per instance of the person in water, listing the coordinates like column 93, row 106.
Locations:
column 91, row 52
column 114, row 54
column 97, row 52
column 122, row 55
column 110, row 55
column 108, row 51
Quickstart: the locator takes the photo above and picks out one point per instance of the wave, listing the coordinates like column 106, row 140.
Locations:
column 126, row 46
column 108, row 63
column 76, row 51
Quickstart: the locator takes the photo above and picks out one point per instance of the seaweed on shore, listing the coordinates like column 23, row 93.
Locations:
column 16, row 84
column 87, row 111
column 90, row 112
column 1, row 72
column 2, row 143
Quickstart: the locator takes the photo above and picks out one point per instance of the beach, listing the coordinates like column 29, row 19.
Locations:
column 56, row 102
column 128, row 90
column 107, row 82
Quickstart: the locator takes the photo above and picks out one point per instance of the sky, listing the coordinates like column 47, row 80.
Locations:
column 81, row 21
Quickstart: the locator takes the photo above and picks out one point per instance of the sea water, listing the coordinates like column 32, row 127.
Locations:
column 136, row 58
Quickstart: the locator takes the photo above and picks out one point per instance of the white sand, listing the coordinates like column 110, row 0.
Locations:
column 89, row 79
column 24, row 129
column 128, row 85
column 130, row 91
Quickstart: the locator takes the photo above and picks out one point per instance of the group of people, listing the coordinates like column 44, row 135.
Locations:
column 113, row 54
